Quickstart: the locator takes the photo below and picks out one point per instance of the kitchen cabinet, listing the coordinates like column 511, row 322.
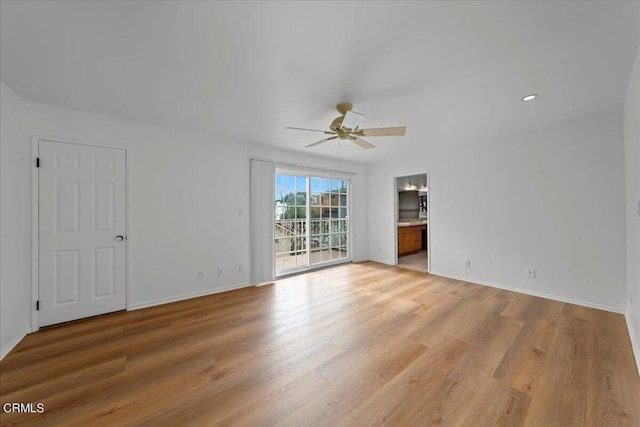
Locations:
column 410, row 239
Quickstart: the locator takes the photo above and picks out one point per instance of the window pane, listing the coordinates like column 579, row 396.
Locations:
column 324, row 241
column 301, row 198
column 283, row 245
column 289, row 184
column 314, row 242
column 315, row 185
column 301, row 183
column 343, row 252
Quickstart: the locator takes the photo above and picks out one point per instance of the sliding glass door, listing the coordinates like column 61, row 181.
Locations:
column 291, row 223
column 311, row 222
column 329, row 231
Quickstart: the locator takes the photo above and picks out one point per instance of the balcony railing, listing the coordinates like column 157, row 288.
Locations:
column 324, row 233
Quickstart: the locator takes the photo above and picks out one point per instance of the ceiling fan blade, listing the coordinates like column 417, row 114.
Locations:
column 362, row 143
column 322, row 141
column 314, row 130
column 351, row 120
column 395, row 131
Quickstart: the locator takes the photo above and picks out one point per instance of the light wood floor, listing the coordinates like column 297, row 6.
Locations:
column 356, row 345
column 417, row 261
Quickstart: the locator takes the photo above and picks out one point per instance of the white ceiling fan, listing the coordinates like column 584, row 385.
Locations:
column 346, row 128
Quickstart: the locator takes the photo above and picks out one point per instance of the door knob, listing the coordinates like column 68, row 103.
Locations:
column 119, row 238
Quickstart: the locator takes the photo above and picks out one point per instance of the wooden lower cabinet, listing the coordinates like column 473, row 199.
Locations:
column 405, row 241
column 410, row 239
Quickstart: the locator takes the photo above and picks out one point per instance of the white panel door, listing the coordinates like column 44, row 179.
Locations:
column 82, row 225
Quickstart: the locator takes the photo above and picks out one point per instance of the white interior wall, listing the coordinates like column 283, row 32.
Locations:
column 15, row 221
column 632, row 170
column 551, row 199
column 186, row 193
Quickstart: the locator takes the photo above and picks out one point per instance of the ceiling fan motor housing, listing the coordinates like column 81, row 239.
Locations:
column 336, row 124
column 342, row 108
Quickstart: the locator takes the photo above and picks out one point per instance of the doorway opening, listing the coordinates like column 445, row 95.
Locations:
column 412, row 221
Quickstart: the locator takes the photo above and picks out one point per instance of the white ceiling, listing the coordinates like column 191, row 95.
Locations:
column 450, row 71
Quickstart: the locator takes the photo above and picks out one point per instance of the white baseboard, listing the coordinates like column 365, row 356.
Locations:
column 160, row 301
column 634, row 344
column 14, row 342
column 533, row 293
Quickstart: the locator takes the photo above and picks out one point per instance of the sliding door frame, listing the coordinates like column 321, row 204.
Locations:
column 309, row 174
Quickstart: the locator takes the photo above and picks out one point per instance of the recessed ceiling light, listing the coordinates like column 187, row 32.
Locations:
column 530, row 97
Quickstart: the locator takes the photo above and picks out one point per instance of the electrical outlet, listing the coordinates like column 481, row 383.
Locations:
column 200, row 274
column 241, row 268
column 531, row 273
column 219, row 271
column 467, row 263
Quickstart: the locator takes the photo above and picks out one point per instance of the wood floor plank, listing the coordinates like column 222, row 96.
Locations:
column 561, row 399
column 435, row 403
column 496, row 405
column 276, row 406
column 358, row 344
column 240, row 394
column 444, row 319
column 411, row 388
column 608, row 402
column 486, row 352
column 524, row 363
column 335, row 404
column 527, row 307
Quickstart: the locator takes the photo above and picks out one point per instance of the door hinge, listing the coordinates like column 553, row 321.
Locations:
column 37, row 162
column 38, row 305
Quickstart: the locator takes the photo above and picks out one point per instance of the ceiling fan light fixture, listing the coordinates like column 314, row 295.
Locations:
column 347, row 128
column 529, row 97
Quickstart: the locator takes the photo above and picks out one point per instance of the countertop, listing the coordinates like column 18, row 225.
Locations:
column 411, row 222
